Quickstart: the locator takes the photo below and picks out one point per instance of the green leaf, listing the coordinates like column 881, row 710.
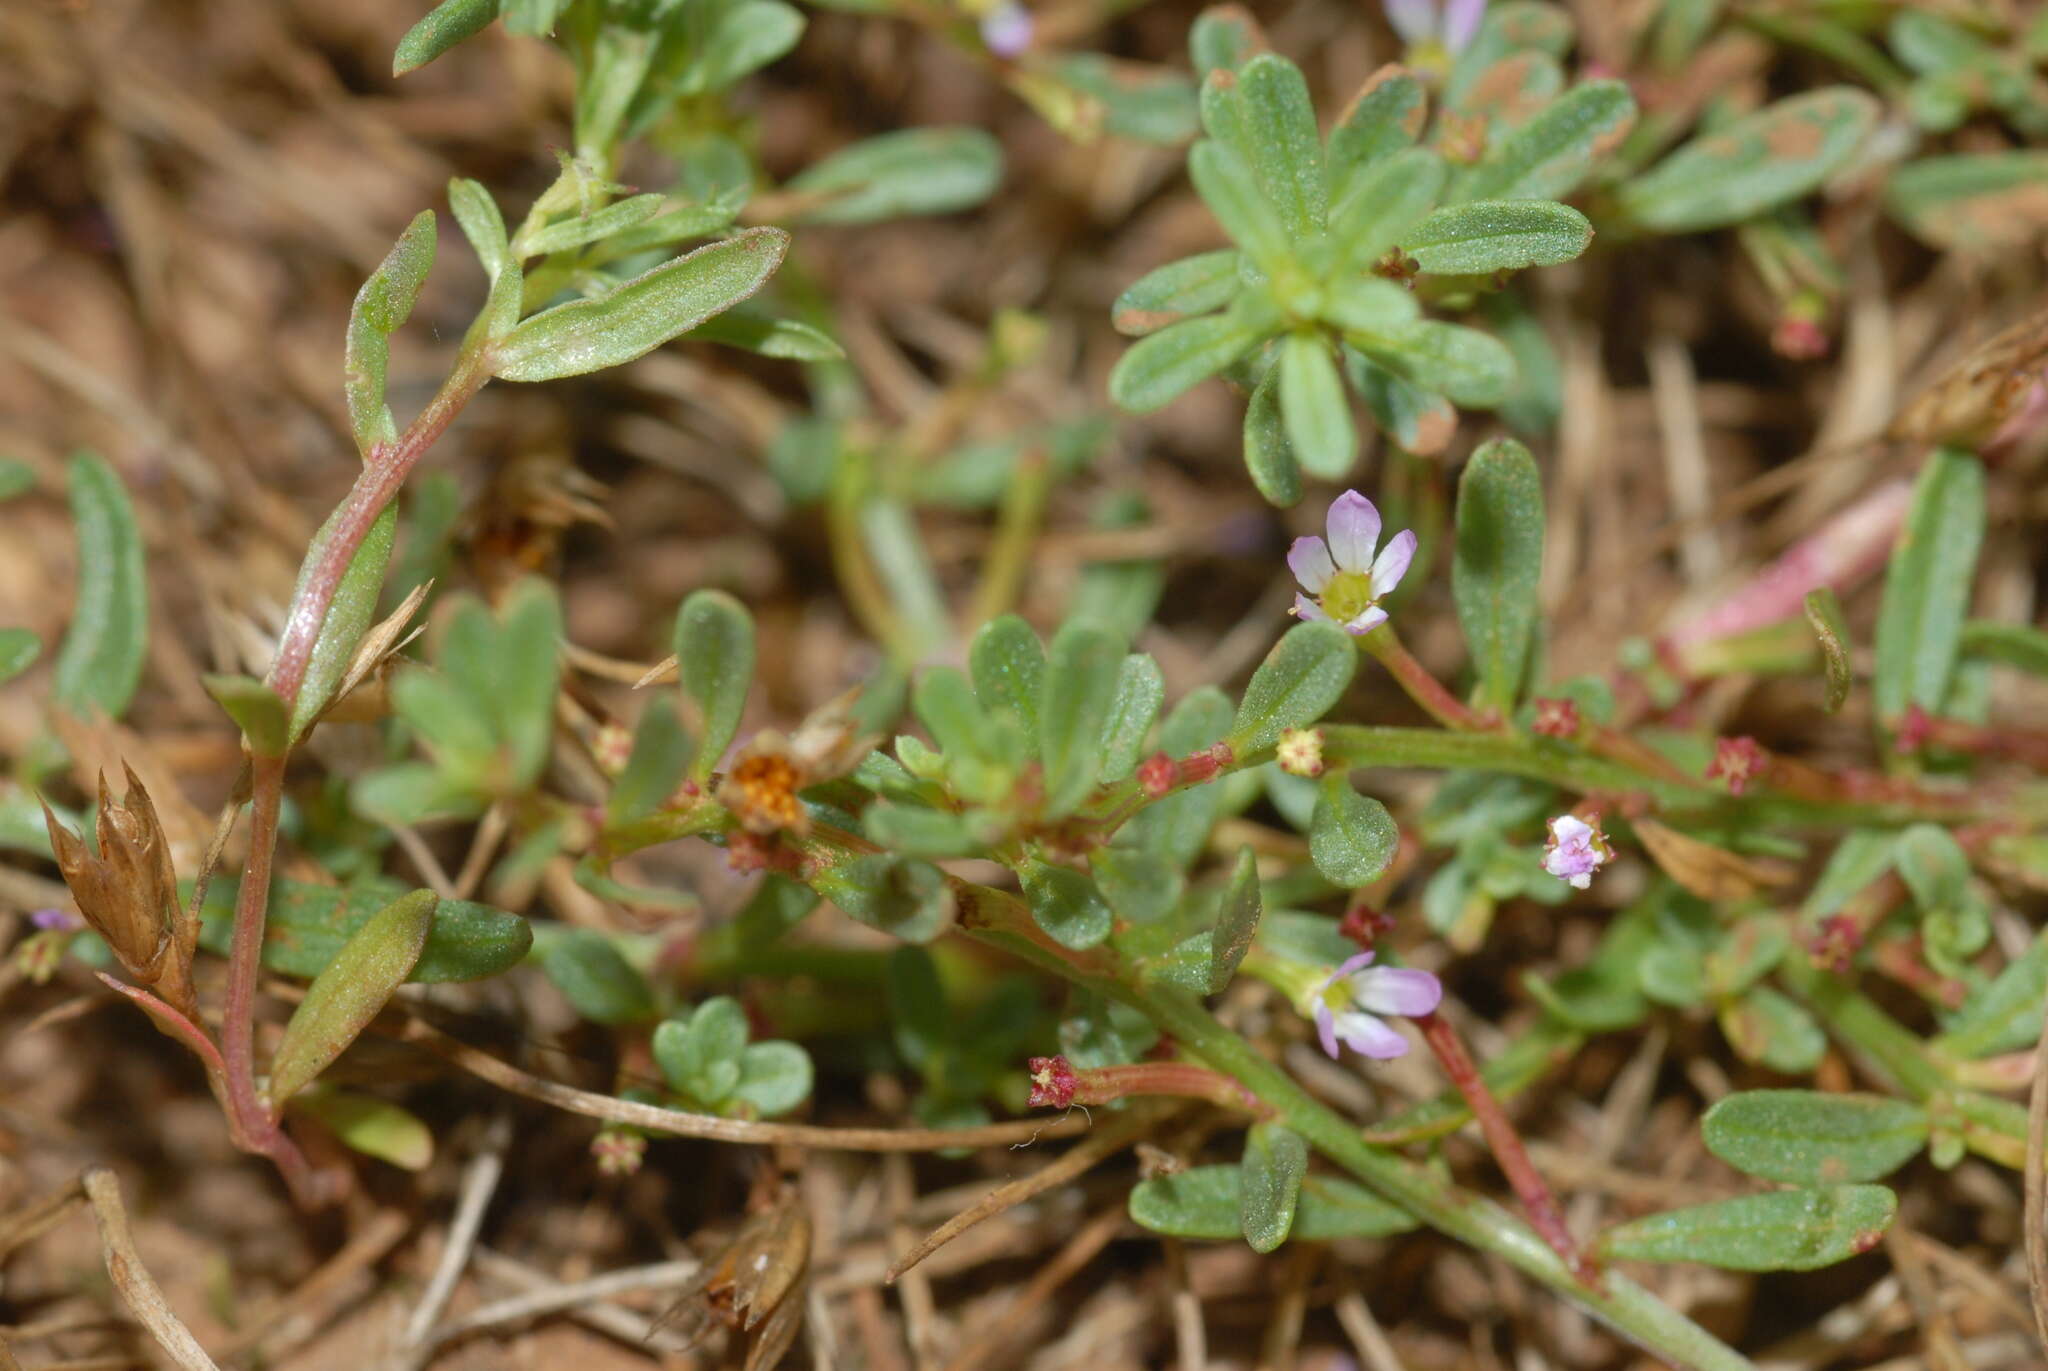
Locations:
column 1269, row 1184
column 1415, row 417
column 19, row 649
column 1383, row 118
column 1934, row 865
column 1470, row 367
column 575, row 230
column 1785, row 1230
column 714, row 643
column 16, row 478
column 521, row 696
column 951, row 713
column 916, row 831
column 2004, row 1016
column 1141, row 887
column 1203, row 1202
column 1155, row 370
column 349, row 614
column 1302, row 677
column 351, row 991
column 896, row 175
column 1824, row 612
column 1230, row 187
column 1066, row 904
column 1179, row 290
column 381, row 307
column 309, row 924
column 447, row 24
column 1976, row 200
column 1268, row 455
column 1148, row 103
column 1805, row 1137
column 1762, row 160
column 376, row 1128
column 1673, row 974
column 1314, row 407
column 1223, row 38
column 661, row 754
column 634, row 318
column 1140, row 689
column 1485, row 236
column 1351, row 838
column 1496, row 563
column 255, row 709
column 1237, row 921
column 746, row 326
column 699, row 1056
column 746, row 37
column 1767, row 1027
column 1552, row 153
column 1281, row 142
column 906, row 899
column 1080, row 689
column 1927, row 586
column 2013, row 645
column 1383, row 202
column 1008, row 665
column 597, row 981
column 99, row 663
column 775, row 1077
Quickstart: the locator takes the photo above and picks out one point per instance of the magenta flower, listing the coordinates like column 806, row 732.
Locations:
column 1448, row 23
column 1007, row 30
column 1348, row 1005
column 1345, row 578
column 1576, row 850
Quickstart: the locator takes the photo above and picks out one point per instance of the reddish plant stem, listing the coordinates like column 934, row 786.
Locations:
column 2026, row 746
column 1534, row 1192
column 1101, row 1084
column 1426, row 690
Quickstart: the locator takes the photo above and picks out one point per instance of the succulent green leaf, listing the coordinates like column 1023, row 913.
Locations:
column 353, row 989
column 349, row 614
column 1762, row 160
column 256, row 710
column 1282, row 144
column 1381, row 119
column 1179, row 290
column 576, row 230
column 447, row 24
column 1785, row 1230
column 906, row 899
column 1237, row 921
column 99, row 663
column 1471, row 367
column 1268, row 455
column 595, row 978
column 1484, row 236
column 381, row 307
column 369, row 1125
column 1496, row 563
column 775, row 1077
column 2014, row 645
column 1966, row 200
column 746, row 37
column 1824, row 613
column 660, row 756
column 1927, row 586
column 1141, row 887
column 1157, row 369
column 699, row 1056
column 1008, row 665
column 1269, row 1184
column 309, row 924
column 746, row 326
column 1150, row 104
column 897, row 175
column 2004, row 1016
column 1230, row 187
column 1079, row 691
column 1140, row 690
column 19, row 648
column 1302, row 677
column 1383, row 202
column 1204, row 1202
column 1314, row 407
column 1552, row 153
column 1067, row 905
column 714, row 644
column 916, row 831
column 1806, row 1137
column 1351, row 837
column 637, row 316
column 1768, row 1027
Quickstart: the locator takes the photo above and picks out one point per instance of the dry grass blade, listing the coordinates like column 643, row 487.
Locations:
column 556, row 1298
column 1078, row 1159
column 33, row 1220
column 1079, row 1251
column 138, row 1289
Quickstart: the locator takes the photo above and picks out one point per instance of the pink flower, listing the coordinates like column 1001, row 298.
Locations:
column 1007, row 30
column 1576, row 850
column 1451, row 23
column 1737, row 761
column 1348, row 1005
column 1346, row 580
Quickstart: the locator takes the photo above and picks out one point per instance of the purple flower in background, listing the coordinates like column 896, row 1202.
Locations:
column 1575, row 851
column 1349, row 1004
column 1007, row 30
column 1345, row 579
column 1448, row 23
column 56, row 920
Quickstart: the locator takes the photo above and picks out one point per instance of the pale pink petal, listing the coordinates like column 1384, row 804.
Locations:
column 1392, row 564
column 1326, row 1029
column 1357, row 961
column 1354, row 525
column 1414, row 20
column 1368, row 1035
column 1461, row 22
column 1397, row 990
column 1307, row 609
column 1309, row 560
column 1366, row 622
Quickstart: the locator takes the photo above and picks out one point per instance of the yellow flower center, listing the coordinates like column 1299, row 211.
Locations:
column 1348, row 595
